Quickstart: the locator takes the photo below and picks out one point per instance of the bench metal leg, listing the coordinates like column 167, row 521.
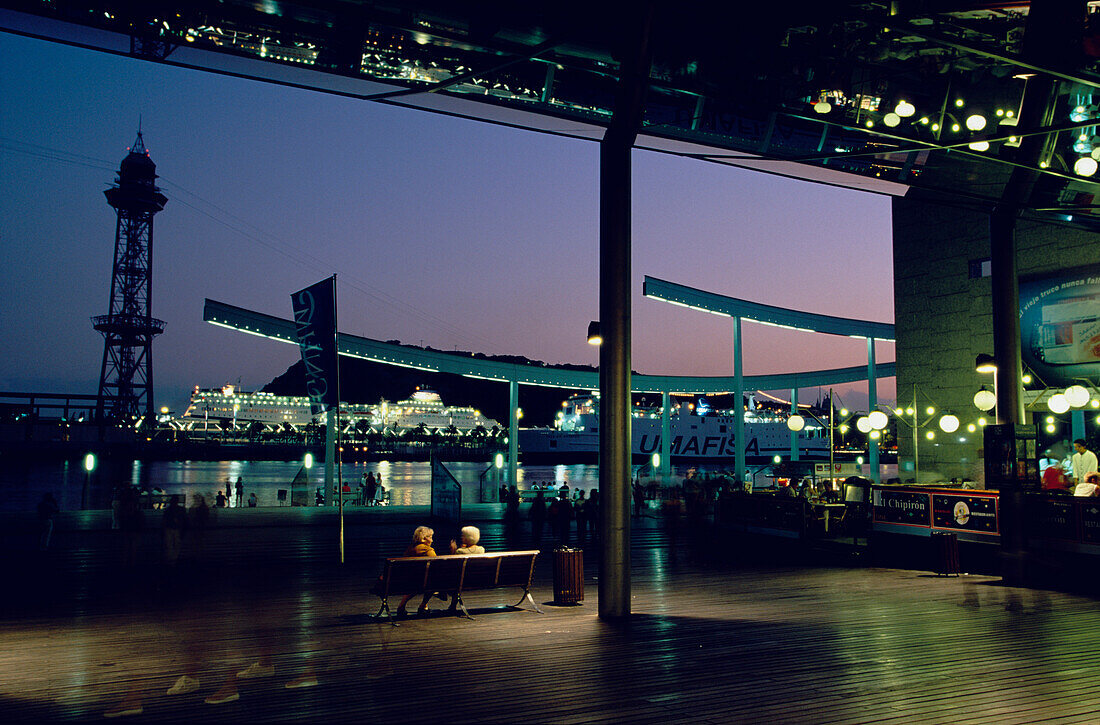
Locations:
column 461, row 605
column 385, row 607
column 527, row 596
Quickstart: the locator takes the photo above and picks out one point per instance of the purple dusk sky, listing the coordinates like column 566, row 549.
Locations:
column 444, row 231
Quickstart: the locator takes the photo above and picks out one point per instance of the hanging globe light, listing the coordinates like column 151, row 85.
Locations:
column 796, row 423
column 877, row 419
column 891, row 119
column 1085, row 166
column 949, row 423
column 1077, row 396
column 976, row 122
column 905, row 109
column 863, row 425
column 984, row 400
column 822, row 107
column 1058, row 403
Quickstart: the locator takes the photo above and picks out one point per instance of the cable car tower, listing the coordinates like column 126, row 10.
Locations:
column 126, row 376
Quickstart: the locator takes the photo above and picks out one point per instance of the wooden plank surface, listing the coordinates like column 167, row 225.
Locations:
column 719, row 634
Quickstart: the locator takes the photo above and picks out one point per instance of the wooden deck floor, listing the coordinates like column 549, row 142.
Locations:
column 712, row 640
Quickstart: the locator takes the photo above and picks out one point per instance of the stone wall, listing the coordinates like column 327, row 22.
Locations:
column 943, row 317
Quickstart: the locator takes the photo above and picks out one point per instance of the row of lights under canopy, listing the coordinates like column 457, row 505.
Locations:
column 1087, row 144
column 876, row 421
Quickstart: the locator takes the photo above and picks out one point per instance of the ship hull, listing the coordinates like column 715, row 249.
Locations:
column 696, row 439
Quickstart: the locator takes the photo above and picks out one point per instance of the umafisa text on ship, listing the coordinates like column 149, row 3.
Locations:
column 697, row 432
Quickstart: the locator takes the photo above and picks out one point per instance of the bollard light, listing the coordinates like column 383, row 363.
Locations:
column 308, row 463
column 89, row 462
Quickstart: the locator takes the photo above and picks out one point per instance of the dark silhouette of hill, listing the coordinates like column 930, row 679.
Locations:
column 364, row 381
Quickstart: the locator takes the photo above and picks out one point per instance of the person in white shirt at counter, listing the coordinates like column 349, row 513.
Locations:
column 1091, row 486
column 1084, row 461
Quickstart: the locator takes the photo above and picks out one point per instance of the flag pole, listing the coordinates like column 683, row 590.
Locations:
column 336, row 422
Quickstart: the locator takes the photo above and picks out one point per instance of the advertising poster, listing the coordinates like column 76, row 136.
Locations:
column 967, row 513
column 1060, row 325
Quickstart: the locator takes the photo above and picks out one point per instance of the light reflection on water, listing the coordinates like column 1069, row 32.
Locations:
column 409, row 482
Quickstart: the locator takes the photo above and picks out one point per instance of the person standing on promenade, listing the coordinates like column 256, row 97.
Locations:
column 47, row 510
column 580, row 506
column 1084, row 461
column 372, row 489
column 538, row 516
column 199, row 516
column 130, row 519
column 594, row 511
column 175, row 521
column 240, row 491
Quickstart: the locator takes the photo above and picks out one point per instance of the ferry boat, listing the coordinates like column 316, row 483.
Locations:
column 226, row 408
column 230, row 407
column 427, row 408
column 698, row 433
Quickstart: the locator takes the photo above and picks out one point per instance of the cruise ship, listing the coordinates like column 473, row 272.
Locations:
column 698, row 433
column 227, row 407
column 427, row 408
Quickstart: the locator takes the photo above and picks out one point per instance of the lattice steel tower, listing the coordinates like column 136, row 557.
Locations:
column 126, row 376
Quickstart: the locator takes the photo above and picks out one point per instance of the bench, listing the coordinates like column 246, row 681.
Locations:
column 455, row 574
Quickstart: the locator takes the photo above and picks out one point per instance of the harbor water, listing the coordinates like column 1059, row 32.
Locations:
column 408, row 483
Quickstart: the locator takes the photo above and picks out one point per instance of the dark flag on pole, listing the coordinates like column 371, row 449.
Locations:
column 315, row 320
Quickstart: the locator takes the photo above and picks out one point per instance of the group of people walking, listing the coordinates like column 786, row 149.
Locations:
column 560, row 512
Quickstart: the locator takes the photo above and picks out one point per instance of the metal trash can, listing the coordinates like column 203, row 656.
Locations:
column 568, row 576
column 945, row 547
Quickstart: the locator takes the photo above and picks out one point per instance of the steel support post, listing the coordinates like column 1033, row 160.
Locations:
column 1052, row 37
column 614, row 587
column 513, row 432
column 615, row 469
column 872, row 404
column 666, row 442
column 794, row 434
column 738, row 402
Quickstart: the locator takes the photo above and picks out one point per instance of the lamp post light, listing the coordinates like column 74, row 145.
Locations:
column 89, row 466
column 594, row 336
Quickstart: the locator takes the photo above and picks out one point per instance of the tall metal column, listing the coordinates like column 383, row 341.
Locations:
column 1006, row 316
column 513, row 432
column 614, row 586
column 794, row 434
column 1052, row 37
column 872, row 403
column 738, row 404
column 666, row 434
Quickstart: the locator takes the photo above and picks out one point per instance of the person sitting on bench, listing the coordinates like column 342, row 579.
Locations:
column 421, row 546
column 470, row 535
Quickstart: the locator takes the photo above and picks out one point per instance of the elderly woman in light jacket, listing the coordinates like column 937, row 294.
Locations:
column 470, row 535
